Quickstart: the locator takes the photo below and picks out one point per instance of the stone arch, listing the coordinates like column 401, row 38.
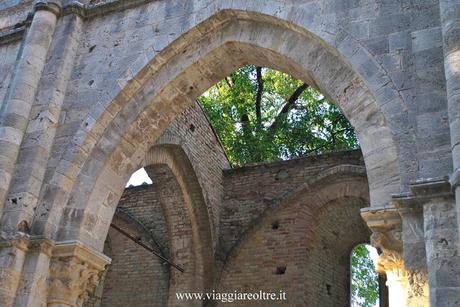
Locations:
column 112, row 142
column 300, row 243
column 189, row 228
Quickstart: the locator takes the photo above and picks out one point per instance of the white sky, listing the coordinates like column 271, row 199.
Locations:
column 138, row 177
column 372, row 253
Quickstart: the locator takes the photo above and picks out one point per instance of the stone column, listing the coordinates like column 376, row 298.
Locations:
column 33, row 285
column 74, row 273
column 13, row 251
column 16, row 110
column 450, row 20
column 37, row 144
column 392, row 265
column 385, row 224
column 441, row 240
column 414, row 253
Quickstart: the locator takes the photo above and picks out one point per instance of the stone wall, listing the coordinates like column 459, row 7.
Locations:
column 8, row 55
column 98, row 83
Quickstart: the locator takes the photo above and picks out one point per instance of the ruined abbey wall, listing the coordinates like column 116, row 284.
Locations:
column 290, row 237
column 89, row 88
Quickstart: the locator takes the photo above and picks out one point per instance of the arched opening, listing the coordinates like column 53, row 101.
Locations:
column 159, row 92
column 139, row 177
column 263, row 115
column 171, row 212
column 126, row 130
column 315, row 229
column 365, row 281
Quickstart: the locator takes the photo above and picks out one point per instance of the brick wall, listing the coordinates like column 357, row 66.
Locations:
column 279, row 233
column 305, row 254
column 251, row 190
column 135, row 277
column 192, row 131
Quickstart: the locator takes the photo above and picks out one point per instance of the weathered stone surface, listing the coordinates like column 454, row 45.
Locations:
column 88, row 89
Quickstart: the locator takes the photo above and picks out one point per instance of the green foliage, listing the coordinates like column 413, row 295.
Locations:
column 364, row 279
column 285, row 128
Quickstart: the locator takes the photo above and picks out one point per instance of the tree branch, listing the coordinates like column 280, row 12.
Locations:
column 228, row 82
column 290, row 103
column 260, row 90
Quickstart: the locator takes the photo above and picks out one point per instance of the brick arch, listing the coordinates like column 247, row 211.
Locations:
column 334, row 183
column 302, row 243
column 111, row 144
column 189, row 229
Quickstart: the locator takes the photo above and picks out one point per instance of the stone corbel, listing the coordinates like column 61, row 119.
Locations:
column 74, row 273
column 385, row 224
column 19, row 240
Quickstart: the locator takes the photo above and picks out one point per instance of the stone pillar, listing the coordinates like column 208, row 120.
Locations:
column 74, row 273
column 385, row 224
column 450, row 20
column 13, row 251
column 414, row 253
column 33, row 285
column 37, row 144
column 441, row 240
column 392, row 265
column 15, row 111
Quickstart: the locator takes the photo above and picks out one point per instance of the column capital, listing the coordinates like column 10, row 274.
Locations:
column 54, row 6
column 19, row 240
column 74, row 273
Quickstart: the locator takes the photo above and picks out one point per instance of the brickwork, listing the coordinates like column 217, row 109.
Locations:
column 252, row 190
column 192, row 131
column 135, row 277
column 300, row 233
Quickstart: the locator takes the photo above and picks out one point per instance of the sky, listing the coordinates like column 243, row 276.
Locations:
column 138, row 177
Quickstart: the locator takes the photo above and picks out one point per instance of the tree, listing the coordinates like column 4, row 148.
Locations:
column 364, row 279
column 263, row 115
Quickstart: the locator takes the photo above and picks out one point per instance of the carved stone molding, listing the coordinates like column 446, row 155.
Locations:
column 418, row 283
column 74, row 273
column 391, row 261
column 431, row 188
column 19, row 240
column 386, row 226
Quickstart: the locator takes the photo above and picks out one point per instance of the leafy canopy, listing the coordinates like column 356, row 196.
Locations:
column 263, row 115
